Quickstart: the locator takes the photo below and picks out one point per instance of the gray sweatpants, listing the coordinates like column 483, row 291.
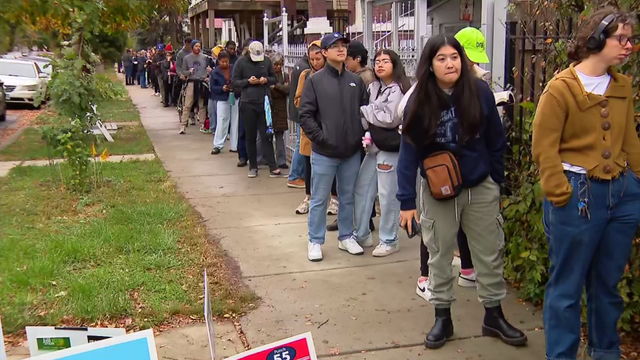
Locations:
column 478, row 211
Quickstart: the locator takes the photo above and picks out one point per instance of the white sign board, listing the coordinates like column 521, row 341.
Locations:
column 3, row 354
column 208, row 318
column 135, row 346
column 46, row 339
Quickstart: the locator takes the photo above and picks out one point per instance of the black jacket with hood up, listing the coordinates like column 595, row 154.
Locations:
column 329, row 112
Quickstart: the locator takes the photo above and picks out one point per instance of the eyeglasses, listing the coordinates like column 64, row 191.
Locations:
column 382, row 62
column 338, row 46
column 623, row 40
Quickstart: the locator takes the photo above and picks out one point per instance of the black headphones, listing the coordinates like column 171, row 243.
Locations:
column 598, row 39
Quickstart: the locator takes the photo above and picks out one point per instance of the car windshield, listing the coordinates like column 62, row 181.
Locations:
column 18, row 69
column 43, row 67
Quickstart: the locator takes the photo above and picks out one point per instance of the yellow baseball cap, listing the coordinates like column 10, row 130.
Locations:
column 474, row 44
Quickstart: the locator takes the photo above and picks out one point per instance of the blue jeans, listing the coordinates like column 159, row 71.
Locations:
column 227, row 114
column 142, row 79
column 297, row 163
column 593, row 252
column 374, row 180
column 323, row 170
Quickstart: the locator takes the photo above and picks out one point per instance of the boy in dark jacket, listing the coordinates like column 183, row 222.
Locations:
column 329, row 114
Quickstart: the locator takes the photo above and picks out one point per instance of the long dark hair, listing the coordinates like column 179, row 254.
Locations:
column 399, row 75
column 429, row 101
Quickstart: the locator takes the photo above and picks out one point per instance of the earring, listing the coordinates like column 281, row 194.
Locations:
column 431, row 68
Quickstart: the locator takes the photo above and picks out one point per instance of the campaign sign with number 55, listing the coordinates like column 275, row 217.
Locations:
column 299, row 347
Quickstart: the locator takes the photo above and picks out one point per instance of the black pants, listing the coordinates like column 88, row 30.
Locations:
column 253, row 119
column 154, row 81
column 177, row 89
column 307, row 175
column 167, row 92
column 465, row 254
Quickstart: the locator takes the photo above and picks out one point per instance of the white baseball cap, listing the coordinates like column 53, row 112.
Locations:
column 256, row 51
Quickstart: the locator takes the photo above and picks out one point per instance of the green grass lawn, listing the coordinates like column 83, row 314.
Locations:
column 133, row 249
column 128, row 139
column 30, row 146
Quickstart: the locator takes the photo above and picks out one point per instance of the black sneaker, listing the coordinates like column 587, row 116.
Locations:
column 333, row 226
column 215, row 151
column 241, row 163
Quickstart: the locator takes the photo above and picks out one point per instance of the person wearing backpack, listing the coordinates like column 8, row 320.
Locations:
column 382, row 144
column 454, row 134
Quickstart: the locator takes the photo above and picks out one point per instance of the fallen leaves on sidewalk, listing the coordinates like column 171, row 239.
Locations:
column 25, row 119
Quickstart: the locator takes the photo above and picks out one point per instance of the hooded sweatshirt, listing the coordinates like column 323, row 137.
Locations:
column 478, row 157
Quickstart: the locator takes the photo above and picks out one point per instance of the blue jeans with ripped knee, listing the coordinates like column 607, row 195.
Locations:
column 589, row 251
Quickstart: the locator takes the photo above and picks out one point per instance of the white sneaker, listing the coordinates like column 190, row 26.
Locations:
column 303, row 208
column 183, row 130
column 456, row 261
column 467, row 281
column 366, row 243
column 333, row 206
column 386, row 249
column 351, row 245
column 423, row 289
column 314, row 251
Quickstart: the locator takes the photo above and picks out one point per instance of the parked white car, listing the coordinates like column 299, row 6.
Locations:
column 22, row 80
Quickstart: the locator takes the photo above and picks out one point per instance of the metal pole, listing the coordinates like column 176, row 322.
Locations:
column 285, row 32
column 395, row 25
column 367, row 26
column 265, row 30
column 421, row 27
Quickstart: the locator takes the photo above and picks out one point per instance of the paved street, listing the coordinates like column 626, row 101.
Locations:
column 360, row 307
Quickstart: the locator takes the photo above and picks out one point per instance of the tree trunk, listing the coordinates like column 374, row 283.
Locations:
column 173, row 29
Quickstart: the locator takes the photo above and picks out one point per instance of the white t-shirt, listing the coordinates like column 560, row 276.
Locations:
column 596, row 85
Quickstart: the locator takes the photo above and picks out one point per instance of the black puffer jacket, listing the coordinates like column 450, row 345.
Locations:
column 329, row 112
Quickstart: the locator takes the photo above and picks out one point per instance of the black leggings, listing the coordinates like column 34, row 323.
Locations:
column 307, row 175
column 465, row 254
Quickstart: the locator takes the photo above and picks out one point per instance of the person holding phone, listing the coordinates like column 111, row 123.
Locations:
column 451, row 122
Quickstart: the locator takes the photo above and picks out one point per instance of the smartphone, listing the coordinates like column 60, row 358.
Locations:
column 415, row 228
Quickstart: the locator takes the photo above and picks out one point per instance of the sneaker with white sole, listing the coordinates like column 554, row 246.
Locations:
column 333, row 206
column 467, row 281
column 384, row 249
column 314, row 251
column 351, row 246
column 253, row 173
column 303, row 208
column 422, row 289
column 183, row 130
column 366, row 243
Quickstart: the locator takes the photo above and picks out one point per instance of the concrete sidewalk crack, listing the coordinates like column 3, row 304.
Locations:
column 328, row 269
column 405, row 346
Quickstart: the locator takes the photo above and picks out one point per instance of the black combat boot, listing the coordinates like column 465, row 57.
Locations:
column 495, row 325
column 441, row 331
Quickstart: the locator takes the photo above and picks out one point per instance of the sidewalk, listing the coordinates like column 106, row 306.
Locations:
column 360, row 307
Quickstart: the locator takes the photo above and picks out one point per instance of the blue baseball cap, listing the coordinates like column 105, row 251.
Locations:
column 161, row 47
column 330, row 39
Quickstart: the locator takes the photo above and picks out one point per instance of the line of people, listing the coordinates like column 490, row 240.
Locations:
column 440, row 144
column 433, row 155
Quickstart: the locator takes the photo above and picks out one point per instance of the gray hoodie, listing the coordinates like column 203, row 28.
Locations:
column 198, row 63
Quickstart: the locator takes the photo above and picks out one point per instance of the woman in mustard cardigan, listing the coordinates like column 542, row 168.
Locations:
column 588, row 152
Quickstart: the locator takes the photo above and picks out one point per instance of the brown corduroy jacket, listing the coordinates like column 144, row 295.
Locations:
column 583, row 129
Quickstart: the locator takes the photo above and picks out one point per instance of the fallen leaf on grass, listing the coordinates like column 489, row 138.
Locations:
column 61, row 294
